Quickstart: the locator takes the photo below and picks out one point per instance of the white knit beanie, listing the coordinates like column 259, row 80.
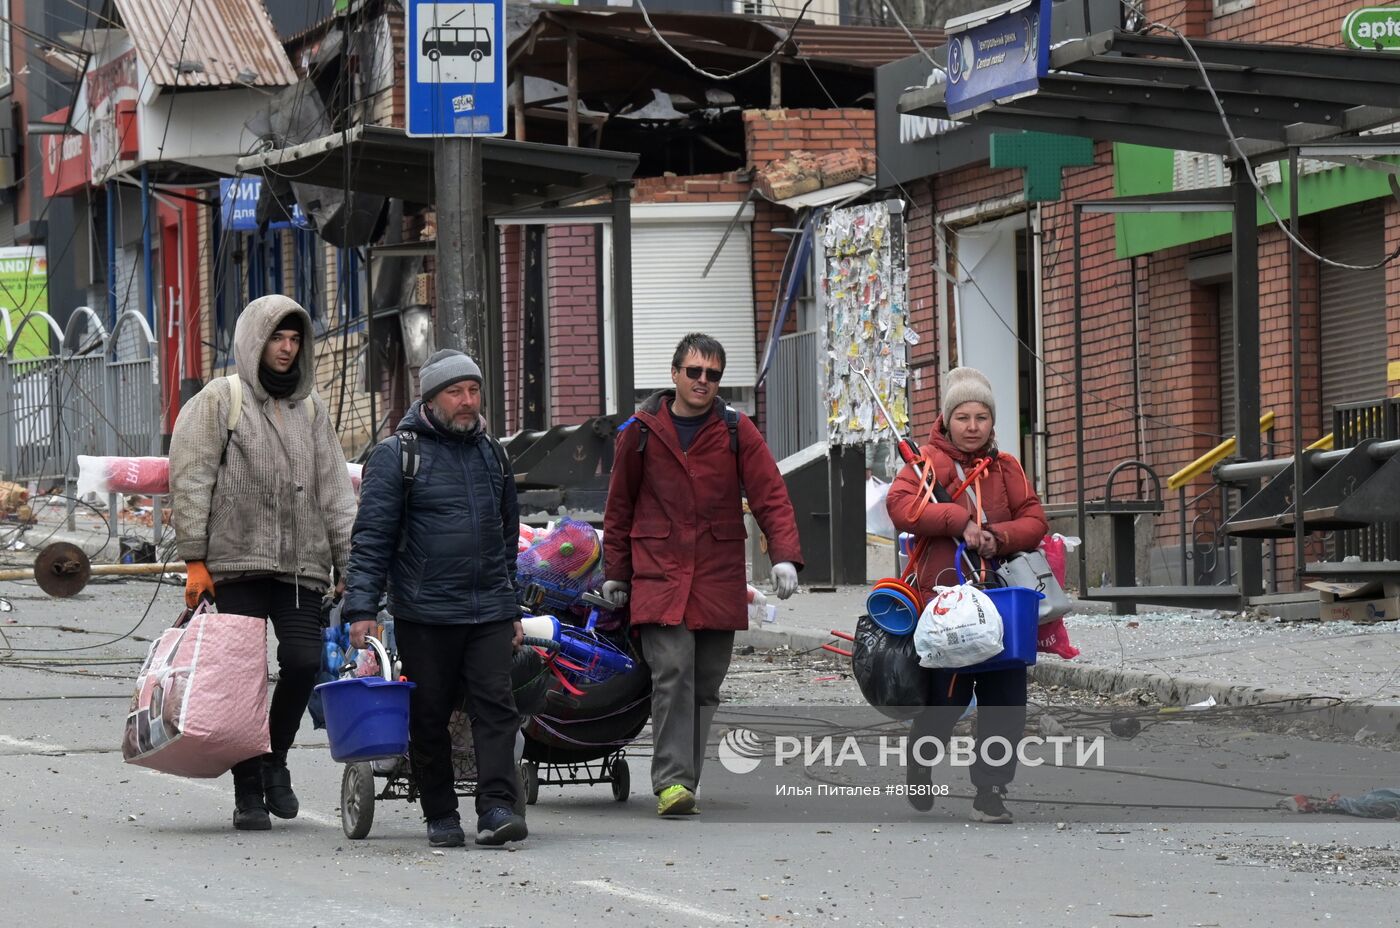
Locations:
column 967, row 385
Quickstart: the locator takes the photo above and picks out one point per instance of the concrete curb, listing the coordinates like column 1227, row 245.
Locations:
column 1309, row 710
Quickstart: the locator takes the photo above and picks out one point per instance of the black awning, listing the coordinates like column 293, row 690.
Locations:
column 517, row 175
column 1148, row 89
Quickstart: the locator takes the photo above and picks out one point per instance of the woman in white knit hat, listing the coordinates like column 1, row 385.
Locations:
column 999, row 514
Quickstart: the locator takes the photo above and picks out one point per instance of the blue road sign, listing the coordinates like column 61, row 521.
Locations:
column 997, row 58
column 456, row 68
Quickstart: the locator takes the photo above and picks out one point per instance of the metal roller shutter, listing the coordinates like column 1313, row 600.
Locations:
column 1227, row 359
column 1353, row 307
column 671, row 244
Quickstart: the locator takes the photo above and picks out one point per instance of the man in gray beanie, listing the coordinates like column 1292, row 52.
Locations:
column 438, row 525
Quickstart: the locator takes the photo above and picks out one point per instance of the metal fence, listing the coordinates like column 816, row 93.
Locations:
column 98, row 395
column 794, row 410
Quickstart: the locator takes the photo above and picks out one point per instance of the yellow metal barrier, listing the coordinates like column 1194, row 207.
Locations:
column 1212, row 457
column 1322, row 444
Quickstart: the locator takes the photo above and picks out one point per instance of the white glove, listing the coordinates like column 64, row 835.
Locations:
column 615, row 592
column 784, row 577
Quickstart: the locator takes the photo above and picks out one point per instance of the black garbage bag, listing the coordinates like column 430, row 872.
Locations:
column 594, row 722
column 887, row 670
column 529, row 681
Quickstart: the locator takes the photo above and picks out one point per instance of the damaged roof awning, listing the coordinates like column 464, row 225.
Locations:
column 197, row 43
column 619, row 58
column 829, row 195
column 517, row 175
column 1148, row 89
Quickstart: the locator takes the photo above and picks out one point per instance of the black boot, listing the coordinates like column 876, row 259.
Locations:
column 277, row 786
column 249, row 809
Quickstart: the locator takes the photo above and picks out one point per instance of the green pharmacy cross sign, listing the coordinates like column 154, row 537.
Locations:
column 1372, row 27
column 1044, row 157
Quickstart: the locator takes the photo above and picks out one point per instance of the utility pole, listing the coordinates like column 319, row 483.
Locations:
column 460, row 271
column 455, row 93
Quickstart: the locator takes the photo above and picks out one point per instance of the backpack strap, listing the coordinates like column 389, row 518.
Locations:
column 502, row 458
column 641, row 439
column 408, row 457
column 731, row 421
column 235, row 410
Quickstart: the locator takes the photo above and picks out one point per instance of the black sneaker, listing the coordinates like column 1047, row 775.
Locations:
column 498, row 825
column 988, row 807
column 446, row 831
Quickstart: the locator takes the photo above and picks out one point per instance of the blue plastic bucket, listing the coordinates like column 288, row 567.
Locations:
column 366, row 718
column 1020, row 616
column 892, row 611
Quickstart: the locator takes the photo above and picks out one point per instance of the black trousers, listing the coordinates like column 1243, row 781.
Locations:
column 447, row 663
column 296, row 620
column 1001, row 711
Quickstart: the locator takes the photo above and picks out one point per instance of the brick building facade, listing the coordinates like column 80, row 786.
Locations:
column 1154, row 356
column 573, row 294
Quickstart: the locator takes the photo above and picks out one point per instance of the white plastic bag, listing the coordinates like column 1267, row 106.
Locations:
column 958, row 628
column 877, row 517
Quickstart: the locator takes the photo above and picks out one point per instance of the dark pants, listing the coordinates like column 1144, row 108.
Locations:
column 296, row 620
column 447, row 662
column 1001, row 710
column 687, row 669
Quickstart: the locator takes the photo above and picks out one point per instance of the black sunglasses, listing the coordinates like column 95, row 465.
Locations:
column 710, row 373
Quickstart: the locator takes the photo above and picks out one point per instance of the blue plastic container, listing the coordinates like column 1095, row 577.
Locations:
column 1020, row 616
column 892, row 611
column 366, row 718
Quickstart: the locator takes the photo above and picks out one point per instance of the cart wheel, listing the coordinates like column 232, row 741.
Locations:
column 530, row 780
column 357, row 800
column 621, row 779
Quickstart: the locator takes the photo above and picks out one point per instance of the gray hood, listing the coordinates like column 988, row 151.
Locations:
column 255, row 326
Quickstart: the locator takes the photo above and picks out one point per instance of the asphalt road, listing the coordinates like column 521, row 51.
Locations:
column 90, row 840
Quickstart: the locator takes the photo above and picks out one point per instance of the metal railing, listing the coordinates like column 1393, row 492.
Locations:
column 794, row 408
column 98, row 394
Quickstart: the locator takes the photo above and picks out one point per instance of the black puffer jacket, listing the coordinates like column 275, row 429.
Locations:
column 449, row 558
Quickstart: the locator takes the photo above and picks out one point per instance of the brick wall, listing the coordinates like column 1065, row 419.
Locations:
column 512, row 283
column 575, row 376
column 773, row 134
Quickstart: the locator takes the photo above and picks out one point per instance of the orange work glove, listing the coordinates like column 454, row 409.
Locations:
column 198, row 583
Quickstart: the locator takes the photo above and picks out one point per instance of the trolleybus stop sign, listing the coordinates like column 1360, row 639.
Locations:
column 456, row 66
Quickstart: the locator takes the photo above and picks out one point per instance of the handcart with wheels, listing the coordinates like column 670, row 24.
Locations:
column 598, row 701
column 359, row 792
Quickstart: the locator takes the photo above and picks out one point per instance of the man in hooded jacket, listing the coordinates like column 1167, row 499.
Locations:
column 262, row 509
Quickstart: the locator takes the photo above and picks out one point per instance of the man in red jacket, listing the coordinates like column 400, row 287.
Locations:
column 674, row 543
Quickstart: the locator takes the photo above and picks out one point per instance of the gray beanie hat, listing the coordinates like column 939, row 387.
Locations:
column 446, row 367
column 967, row 385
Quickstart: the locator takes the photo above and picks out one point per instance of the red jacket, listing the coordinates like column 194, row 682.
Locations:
column 1010, row 507
column 674, row 526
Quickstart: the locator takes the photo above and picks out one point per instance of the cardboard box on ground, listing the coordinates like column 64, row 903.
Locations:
column 1371, row 601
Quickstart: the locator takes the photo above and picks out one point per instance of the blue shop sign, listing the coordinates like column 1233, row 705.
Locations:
column 997, row 55
column 238, row 206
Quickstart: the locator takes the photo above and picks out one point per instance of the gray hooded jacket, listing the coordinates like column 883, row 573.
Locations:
column 281, row 502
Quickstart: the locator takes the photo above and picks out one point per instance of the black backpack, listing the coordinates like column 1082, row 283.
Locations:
column 409, row 457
